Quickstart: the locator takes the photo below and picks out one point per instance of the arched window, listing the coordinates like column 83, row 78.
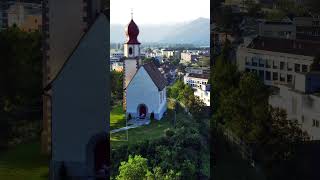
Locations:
column 130, row 50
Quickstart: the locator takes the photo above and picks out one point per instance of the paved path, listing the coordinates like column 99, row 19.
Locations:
column 134, row 123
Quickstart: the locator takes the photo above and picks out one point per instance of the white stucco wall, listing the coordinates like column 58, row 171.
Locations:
column 135, row 50
column 142, row 90
column 301, row 107
column 80, row 97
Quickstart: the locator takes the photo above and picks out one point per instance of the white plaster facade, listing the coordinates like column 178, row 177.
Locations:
column 273, row 67
column 80, row 103
column 300, row 107
column 142, row 90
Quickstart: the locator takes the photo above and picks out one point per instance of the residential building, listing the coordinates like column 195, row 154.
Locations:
column 198, row 70
column 168, row 53
column 188, row 57
column 117, row 54
column 308, row 28
column 301, row 102
column 277, row 61
column 117, row 66
column 277, row 29
column 199, row 83
column 26, row 16
column 203, row 93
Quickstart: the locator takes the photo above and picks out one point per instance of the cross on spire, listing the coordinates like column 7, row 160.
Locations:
column 131, row 13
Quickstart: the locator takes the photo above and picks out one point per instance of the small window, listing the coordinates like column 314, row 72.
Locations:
column 282, row 77
column 297, row 67
column 315, row 123
column 268, row 75
column 289, row 78
column 304, row 68
column 130, row 50
column 275, row 76
column 275, row 65
column 281, row 65
column 289, row 66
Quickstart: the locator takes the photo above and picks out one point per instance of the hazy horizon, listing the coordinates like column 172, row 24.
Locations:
column 164, row 23
column 153, row 12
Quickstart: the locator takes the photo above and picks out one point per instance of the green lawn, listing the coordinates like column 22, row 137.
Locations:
column 24, row 162
column 153, row 130
column 117, row 117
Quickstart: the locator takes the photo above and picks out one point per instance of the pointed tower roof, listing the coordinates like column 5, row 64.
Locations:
column 132, row 32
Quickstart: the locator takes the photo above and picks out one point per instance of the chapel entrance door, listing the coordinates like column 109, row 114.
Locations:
column 142, row 111
column 100, row 156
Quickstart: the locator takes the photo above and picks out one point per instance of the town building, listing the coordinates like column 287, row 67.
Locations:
column 63, row 26
column 144, row 85
column 308, row 28
column 301, row 102
column 188, row 57
column 26, row 16
column 277, row 61
column 199, row 83
column 117, row 54
column 167, row 53
column 278, row 29
column 198, row 70
column 117, row 66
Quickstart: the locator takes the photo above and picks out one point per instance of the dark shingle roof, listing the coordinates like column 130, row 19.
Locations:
column 155, row 75
column 298, row 47
column 201, row 76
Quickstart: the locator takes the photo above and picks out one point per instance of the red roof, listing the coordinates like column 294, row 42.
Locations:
column 132, row 32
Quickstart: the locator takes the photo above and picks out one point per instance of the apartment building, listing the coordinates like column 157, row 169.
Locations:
column 198, row 70
column 199, row 83
column 188, row 56
column 308, row 27
column 301, row 102
column 277, row 29
column 26, row 16
column 203, row 93
column 277, row 61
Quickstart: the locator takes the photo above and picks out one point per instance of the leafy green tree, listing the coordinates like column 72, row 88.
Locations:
column 159, row 174
column 20, row 76
column 116, row 86
column 136, row 168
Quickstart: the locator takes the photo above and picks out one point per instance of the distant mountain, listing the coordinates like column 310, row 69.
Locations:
column 148, row 33
column 194, row 32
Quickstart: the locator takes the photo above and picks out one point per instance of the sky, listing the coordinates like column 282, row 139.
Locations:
column 158, row 11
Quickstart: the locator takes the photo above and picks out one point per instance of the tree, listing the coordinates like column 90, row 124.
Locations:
column 20, row 76
column 116, row 86
column 279, row 140
column 136, row 168
column 315, row 66
column 159, row 174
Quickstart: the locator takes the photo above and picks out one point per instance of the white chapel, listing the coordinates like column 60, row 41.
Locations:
column 144, row 85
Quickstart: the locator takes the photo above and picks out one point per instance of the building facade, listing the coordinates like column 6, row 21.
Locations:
column 199, row 83
column 277, row 29
column 301, row 102
column 277, row 61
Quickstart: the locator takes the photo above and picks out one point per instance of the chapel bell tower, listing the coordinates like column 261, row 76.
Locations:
column 132, row 60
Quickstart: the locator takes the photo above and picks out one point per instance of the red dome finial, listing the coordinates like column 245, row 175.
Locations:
column 132, row 32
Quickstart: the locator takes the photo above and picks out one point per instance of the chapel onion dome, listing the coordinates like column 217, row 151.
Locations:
column 132, row 32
